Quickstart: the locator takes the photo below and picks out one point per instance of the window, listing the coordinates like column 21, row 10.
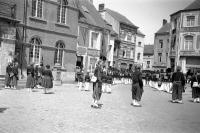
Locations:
column 58, row 58
column 159, row 57
column 94, row 40
column 190, row 20
column 62, row 11
column 161, row 43
column 148, row 64
column 34, row 51
column 92, row 62
column 37, row 8
column 131, row 53
column 122, row 34
column 124, row 53
column 138, row 56
column 129, row 36
column 188, row 42
column 139, row 44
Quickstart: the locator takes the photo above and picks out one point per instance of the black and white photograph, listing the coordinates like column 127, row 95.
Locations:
column 99, row 66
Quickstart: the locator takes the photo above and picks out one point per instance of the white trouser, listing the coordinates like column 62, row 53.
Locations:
column 87, row 86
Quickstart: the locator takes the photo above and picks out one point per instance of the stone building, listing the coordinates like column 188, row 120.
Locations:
column 148, row 57
column 124, row 45
column 8, row 24
column 185, row 37
column 91, row 28
column 47, row 33
column 161, row 47
column 139, row 48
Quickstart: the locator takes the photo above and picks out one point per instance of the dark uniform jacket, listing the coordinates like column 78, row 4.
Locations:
column 178, row 77
column 137, row 78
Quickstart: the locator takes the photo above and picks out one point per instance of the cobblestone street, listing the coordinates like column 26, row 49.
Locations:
column 68, row 110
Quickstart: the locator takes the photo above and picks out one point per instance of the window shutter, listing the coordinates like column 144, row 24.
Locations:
column 198, row 42
column 58, row 14
column 33, row 7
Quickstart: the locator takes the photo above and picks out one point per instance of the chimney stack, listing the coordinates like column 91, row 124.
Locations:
column 164, row 21
column 101, row 7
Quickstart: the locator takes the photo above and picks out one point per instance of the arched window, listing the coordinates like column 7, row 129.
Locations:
column 34, row 51
column 62, row 11
column 188, row 42
column 37, row 8
column 59, row 53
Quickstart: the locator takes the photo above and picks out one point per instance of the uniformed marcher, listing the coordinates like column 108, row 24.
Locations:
column 137, row 87
column 178, row 81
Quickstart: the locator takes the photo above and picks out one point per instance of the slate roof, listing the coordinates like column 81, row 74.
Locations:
column 194, row 5
column 119, row 17
column 91, row 15
column 148, row 50
column 140, row 33
column 164, row 29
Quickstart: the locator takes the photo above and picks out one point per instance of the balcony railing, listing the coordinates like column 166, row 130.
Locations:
column 8, row 10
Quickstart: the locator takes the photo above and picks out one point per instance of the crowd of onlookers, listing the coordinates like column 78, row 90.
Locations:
column 38, row 76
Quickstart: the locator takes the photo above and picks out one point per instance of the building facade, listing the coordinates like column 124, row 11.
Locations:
column 139, row 48
column 185, row 38
column 92, row 34
column 8, row 24
column 124, row 45
column 47, row 33
column 148, row 57
column 161, row 47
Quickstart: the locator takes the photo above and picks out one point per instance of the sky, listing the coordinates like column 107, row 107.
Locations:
column 148, row 15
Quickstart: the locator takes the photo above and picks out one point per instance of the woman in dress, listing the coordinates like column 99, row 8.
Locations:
column 48, row 79
column 97, row 86
column 195, row 89
column 30, row 77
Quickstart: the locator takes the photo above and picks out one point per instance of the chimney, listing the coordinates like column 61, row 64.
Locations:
column 164, row 21
column 101, row 7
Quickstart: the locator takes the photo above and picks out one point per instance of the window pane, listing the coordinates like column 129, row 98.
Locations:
column 94, row 40
column 39, row 9
column 33, row 7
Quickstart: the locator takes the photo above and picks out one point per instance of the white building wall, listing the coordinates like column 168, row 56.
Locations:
column 145, row 60
column 139, row 49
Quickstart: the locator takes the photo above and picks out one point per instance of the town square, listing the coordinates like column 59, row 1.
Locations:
column 82, row 66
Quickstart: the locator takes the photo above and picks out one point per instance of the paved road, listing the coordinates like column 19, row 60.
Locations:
column 68, row 110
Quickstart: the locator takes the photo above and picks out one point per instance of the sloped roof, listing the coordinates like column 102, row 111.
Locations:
column 193, row 5
column 91, row 15
column 148, row 50
column 140, row 33
column 120, row 18
column 164, row 29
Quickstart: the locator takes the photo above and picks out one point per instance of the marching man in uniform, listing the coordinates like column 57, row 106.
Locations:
column 137, row 87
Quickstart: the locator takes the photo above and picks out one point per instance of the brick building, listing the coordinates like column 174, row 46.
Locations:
column 161, row 47
column 47, row 33
column 185, row 37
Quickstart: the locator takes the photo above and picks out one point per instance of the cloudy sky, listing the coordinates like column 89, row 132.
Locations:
column 146, row 14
